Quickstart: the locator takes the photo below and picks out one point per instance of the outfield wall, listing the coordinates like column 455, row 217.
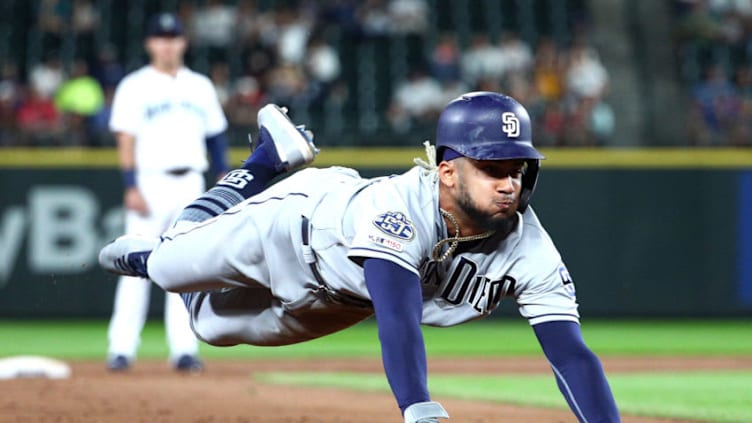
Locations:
column 643, row 232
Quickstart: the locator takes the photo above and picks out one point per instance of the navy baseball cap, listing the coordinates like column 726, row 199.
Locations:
column 164, row 25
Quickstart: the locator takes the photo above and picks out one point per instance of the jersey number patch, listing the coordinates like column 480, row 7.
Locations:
column 566, row 280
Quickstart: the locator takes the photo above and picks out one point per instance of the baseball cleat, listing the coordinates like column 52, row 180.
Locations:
column 293, row 144
column 127, row 255
column 189, row 364
column 118, row 363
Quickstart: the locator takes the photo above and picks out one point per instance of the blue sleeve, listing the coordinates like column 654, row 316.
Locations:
column 578, row 372
column 398, row 304
column 217, row 147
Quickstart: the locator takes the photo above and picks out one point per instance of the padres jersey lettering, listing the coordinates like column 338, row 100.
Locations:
column 397, row 219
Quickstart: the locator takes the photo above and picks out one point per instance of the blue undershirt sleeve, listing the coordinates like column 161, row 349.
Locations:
column 398, row 305
column 216, row 145
column 578, row 372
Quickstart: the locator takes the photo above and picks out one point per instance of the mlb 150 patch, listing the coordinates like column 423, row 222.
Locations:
column 386, row 242
column 395, row 224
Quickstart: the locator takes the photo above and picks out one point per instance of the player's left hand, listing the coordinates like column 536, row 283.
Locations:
column 135, row 201
column 425, row 412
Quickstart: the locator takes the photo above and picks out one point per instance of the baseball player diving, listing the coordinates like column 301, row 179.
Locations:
column 323, row 249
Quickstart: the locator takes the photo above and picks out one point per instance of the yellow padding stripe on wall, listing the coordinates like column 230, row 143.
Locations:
column 395, row 158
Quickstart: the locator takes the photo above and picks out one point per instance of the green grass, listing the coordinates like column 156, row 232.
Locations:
column 390, row 157
column 88, row 339
column 689, row 337
column 718, row 396
column 722, row 397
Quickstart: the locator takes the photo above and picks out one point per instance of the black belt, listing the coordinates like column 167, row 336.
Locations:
column 180, row 171
column 328, row 294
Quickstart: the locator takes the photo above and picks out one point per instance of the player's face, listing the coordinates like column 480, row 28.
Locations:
column 166, row 52
column 488, row 191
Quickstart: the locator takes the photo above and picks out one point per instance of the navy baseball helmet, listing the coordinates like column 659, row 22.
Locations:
column 489, row 126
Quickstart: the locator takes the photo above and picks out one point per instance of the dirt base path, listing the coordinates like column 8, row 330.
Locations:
column 227, row 392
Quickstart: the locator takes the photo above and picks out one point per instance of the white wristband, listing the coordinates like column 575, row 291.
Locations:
column 423, row 411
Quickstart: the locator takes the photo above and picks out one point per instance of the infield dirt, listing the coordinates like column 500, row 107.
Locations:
column 227, row 392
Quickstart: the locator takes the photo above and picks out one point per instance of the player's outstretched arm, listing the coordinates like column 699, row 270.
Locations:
column 398, row 305
column 578, row 372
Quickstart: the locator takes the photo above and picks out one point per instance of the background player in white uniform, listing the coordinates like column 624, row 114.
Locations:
column 324, row 249
column 165, row 118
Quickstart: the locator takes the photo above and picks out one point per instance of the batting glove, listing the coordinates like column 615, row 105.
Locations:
column 425, row 412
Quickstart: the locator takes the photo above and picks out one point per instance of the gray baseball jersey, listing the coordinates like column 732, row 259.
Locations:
column 299, row 244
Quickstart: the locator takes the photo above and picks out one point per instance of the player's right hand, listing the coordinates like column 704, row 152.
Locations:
column 133, row 200
column 425, row 412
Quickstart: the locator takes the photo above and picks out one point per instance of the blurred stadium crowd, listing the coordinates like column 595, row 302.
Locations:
column 714, row 49
column 371, row 72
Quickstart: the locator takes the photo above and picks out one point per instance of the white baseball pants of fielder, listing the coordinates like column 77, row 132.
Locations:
column 166, row 196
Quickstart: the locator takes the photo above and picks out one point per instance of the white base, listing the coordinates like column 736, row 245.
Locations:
column 26, row 366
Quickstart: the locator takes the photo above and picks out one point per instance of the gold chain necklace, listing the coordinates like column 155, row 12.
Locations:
column 455, row 240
